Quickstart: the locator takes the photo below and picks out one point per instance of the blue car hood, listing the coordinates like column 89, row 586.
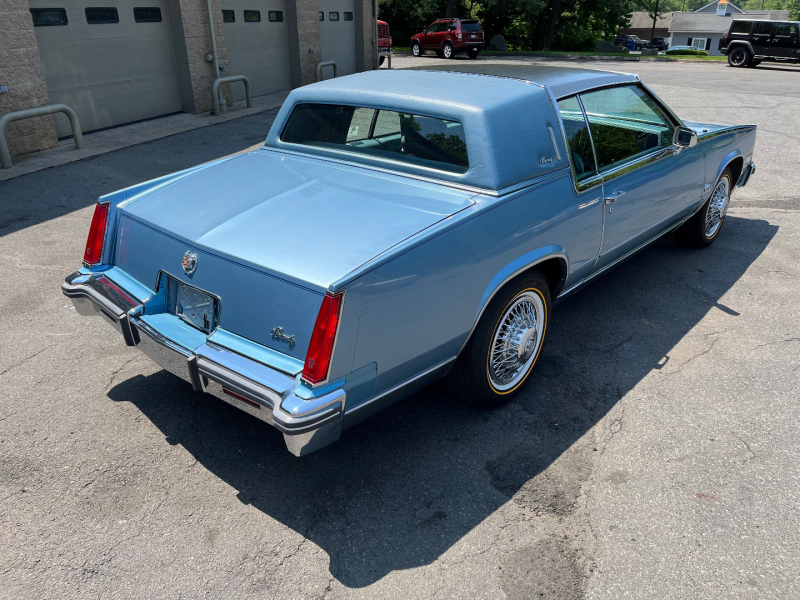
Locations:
column 304, row 219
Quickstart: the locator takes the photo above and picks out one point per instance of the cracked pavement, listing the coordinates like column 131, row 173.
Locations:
column 653, row 455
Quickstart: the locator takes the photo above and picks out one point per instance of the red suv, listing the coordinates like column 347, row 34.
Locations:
column 448, row 37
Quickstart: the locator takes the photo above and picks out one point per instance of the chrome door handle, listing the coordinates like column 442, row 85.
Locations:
column 613, row 197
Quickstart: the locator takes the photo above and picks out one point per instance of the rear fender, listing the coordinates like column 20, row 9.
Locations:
column 744, row 43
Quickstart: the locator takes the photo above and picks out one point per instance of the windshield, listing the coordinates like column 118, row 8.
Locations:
column 416, row 139
column 470, row 26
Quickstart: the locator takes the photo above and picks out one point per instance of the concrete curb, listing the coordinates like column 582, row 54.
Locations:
column 117, row 138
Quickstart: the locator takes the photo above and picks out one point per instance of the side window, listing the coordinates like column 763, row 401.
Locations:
column 740, row 27
column 580, row 144
column 762, row 28
column 625, row 123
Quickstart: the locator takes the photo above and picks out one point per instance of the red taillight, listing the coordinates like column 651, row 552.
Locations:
column 318, row 357
column 97, row 232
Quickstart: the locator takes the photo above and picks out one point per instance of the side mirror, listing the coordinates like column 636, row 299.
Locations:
column 684, row 137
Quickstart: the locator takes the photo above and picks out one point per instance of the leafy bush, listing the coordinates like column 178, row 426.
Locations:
column 687, row 52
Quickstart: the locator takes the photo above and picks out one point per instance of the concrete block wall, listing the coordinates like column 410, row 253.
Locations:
column 304, row 40
column 192, row 41
column 366, row 40
column 21, row 71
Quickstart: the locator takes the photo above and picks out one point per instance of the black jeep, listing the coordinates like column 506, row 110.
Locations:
column 747, row 43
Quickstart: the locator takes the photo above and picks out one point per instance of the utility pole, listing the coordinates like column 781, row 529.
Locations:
column 655, row 17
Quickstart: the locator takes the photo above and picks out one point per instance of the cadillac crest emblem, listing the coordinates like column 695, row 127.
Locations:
column 189, row 262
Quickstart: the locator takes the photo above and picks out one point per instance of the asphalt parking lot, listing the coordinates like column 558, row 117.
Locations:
column 654, row 455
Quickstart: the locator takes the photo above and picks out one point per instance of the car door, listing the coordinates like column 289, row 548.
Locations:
column 761, row 38
column 433, row 35
column 587, row 223
column 648, row 184
column 784, row 40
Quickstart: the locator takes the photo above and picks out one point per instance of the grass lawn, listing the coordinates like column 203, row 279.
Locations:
column 559, row 53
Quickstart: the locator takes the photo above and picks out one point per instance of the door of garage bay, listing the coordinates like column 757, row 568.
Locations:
column 337, row 30
column 111, row 65
column 257, row 39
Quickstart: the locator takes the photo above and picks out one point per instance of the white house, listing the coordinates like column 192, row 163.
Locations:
column 704, row 28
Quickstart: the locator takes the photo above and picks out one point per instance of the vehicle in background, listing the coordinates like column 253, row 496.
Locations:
column 631, row 42
column 747, row 43
column 448, row 37
column 659, row 43
column 384, row 42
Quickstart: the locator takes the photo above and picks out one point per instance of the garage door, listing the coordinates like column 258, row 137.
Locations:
column 257, row 39
column 111, row 61
column 337, row 29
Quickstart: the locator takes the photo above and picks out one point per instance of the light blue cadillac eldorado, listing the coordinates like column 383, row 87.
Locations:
column 398, row 227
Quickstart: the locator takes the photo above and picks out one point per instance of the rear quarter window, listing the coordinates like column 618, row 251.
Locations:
column 410, row 138
column 740, row 27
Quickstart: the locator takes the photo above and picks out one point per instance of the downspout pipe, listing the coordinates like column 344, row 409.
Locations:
column 214, row 55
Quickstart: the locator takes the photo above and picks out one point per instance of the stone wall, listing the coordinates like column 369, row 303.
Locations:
column 192, row 41
column 305, row 45
column 366, row 41
column 21, row 71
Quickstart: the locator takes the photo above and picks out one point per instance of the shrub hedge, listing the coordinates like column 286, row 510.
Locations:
column 687, row 52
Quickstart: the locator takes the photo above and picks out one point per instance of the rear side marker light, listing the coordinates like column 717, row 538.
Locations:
column 320, row 349
column 97, row 233
column 242, row 398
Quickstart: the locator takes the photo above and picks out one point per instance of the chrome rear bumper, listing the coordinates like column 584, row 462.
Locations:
column 307, row 424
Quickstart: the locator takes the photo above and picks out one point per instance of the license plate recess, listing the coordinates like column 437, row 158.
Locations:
column 194, row 306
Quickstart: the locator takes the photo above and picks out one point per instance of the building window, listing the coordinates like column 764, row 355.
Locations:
column 348, row 16
column 101, row 16
column 321, row 16
column 252, row 16
column 147, row 15
column 333, row 16
column 275, row 16
column 228, row 16
column 47, row 17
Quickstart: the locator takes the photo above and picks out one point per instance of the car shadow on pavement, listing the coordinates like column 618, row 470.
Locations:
column 401, row 489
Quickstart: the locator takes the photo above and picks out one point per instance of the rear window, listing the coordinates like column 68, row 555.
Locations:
column 740, row 27
column 409, row 138
column 470, row 26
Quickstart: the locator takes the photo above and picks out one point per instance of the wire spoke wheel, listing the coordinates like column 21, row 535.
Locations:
column 717, row 207
column 516, row 341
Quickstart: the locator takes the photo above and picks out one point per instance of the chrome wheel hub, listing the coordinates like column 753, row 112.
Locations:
column 717, row 207
column 516, row 341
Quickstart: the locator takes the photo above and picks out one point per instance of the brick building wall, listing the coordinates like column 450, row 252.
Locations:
column 21, row 71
